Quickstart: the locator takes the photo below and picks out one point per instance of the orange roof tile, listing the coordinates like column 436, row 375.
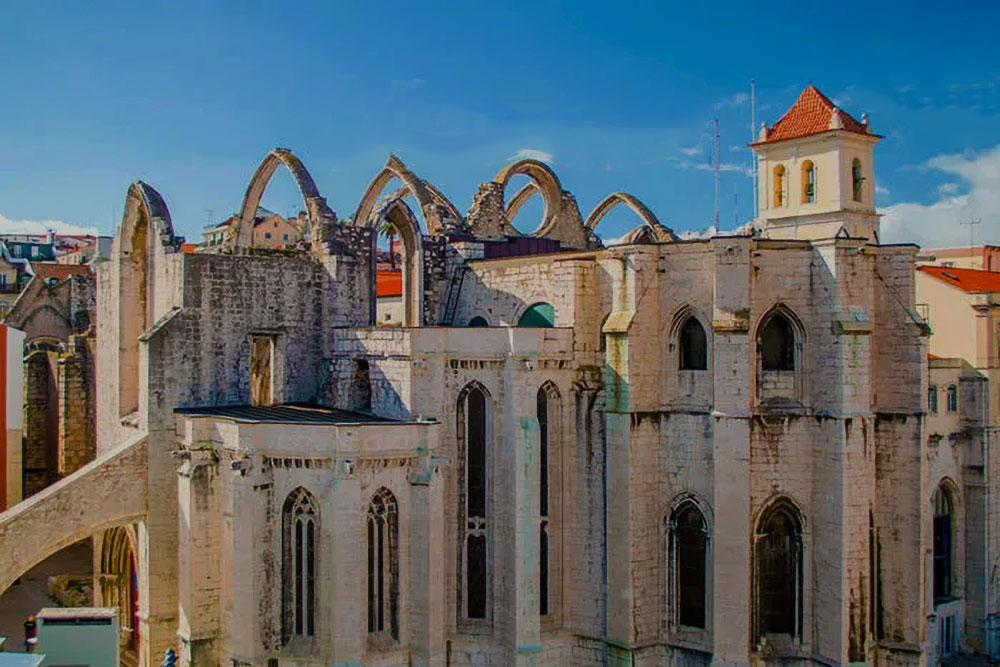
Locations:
column 189, row 247
column 968, row 280
column 810, row 114
column 61, row 272
column 389, row 283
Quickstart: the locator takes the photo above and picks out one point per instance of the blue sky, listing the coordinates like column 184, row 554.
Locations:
column 189, row 98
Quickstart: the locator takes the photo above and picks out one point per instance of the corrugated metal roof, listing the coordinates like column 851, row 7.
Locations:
column 284, row 414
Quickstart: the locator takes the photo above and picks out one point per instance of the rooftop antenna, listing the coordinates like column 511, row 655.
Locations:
column 716, row 169
column 210, row 216
column 972, row 233
column 753, row 156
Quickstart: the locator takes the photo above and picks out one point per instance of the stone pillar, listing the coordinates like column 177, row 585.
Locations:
column 76, row 435
column 618, row 524
column 732, row 545
column 198, row 564
column 427, row 571
column 343, row 566
column 516, row 510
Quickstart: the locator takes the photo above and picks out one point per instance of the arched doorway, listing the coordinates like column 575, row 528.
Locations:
column 118, row 583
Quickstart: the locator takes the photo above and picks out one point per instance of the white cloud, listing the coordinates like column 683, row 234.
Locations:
column 705, row 166
column 881, row 190
column 733, row 101
column 691, row 151
column 8, row 226
column 939, row 224
column 533, row 154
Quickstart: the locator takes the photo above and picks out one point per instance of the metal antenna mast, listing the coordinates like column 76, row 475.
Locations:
column 715, row 167
column 753, row 156
column 972, row 232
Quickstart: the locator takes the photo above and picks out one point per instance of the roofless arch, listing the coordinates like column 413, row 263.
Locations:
column 315, row 205
column 435, row 206
column 660, row 232
column 547, row 184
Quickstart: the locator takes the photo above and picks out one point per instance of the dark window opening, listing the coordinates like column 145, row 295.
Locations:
column 932, row 398
column 777, row 345
column 952, row 398
column 942, row 546
column 300, row 526
column 362, row 386
column 473, row 416
column 690, row 539
column 694, row 346
column 858, row 180
column 383, row 564
column 779, row 571
column 476, row 580
column 478, row 321
column 542, row 409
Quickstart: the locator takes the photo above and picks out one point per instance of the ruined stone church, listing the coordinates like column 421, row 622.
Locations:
column 665, row 451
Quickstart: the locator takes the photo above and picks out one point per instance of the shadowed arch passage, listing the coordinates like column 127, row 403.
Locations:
column 435, row 206
column 659, row 232
column 544, row 181
column 315, row 205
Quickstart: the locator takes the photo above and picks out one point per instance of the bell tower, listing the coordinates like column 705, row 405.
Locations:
column 816, row 173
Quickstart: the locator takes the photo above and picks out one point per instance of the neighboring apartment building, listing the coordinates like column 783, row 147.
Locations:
column 659, row 452
column 982, row 257
column 96, row 249
column 270, row 230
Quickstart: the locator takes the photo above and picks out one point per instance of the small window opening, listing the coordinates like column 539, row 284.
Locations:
column 952, row 398
column 694, row 346
column 932, row 399
column 777, row 345
column 478, row 321
column 808, row 182
column 261, row 370
column 779, row 186
column 858, row 180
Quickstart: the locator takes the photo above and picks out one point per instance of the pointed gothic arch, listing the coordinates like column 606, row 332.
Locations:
column 437, row 210
column 659, row 232
column 146, row 226
column 400, row 215
column 241, row 236
column 547, row 184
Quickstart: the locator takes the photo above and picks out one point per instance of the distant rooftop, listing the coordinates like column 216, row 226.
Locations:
column 968, row 280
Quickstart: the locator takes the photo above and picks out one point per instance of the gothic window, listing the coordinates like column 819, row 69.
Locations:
column 694, row 346
column 547, row 407
column 942, row 545
column 932, row 398
column 779, row 186
column 858, row 180
column 383, row 565
column 473, row 430
column 808, row 182
column 300, row 532
column 952, row 398
column 776, row 344
column 778, row 572
column 687, row 551
column 538, row 315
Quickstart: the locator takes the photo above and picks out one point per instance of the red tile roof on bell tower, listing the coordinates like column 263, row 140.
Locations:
column 811, row 114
